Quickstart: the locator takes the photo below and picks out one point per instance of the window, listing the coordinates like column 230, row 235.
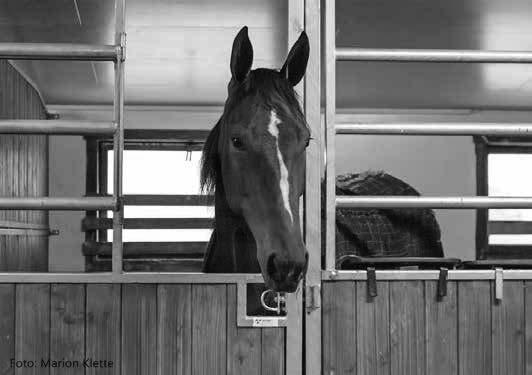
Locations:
column 167, row 223
column 503, row 170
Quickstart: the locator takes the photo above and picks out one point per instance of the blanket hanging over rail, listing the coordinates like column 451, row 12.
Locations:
column 399, row 232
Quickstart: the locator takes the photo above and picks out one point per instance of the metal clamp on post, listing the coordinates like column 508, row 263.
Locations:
column 442, row 283
column 498, row 284
column 313, row 298
column 372, row 282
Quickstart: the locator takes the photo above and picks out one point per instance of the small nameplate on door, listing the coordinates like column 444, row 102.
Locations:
column 265, row 322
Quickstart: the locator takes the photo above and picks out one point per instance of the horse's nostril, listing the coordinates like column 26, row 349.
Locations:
column 271, row 268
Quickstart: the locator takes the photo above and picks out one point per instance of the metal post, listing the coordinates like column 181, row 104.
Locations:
column 118, row 145
column 330, row 113
column 312, row 312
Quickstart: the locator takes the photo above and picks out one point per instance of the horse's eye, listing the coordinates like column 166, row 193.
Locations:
column 237, row 142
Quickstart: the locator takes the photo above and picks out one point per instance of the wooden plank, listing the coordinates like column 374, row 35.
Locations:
column 508, row 330
column 474, row 328
column 174, row 327
column 407, row 327
column 339, row 327
column 441, row 329
column 32, row 326
column 94, row 223
column 7, row 328
column 509, row 227
column 67, row 327
column 244, row 348
column 148, row 249
column 528, row 327
column 273, row 351
column 168, row 200
column 102, row 340
column 139, row 329
column 209, row 329
column 372, row 328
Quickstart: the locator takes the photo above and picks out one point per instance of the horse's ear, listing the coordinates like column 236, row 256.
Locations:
column 241, row 55
column 296, row 62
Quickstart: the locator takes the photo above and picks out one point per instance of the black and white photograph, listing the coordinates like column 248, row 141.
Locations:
column 265, row 187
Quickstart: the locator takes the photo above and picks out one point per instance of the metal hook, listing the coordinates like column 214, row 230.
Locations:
column 279, row 300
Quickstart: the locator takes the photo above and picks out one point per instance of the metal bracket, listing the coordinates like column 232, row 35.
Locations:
column 372, row 282
column 498, row 284
column 313, row 298
column 442, row 283
column 243, row 320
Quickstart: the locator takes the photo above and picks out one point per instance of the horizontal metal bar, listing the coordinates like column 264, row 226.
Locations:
column 168, row 200
column 60, row 127
column 427, row 275
column 60, row 204
column 432, row 202
column 59, row 51
column 132, row 277
column 459, row 129
column 432, row 55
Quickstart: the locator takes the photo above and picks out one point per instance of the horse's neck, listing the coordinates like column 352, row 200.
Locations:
column 232, row 247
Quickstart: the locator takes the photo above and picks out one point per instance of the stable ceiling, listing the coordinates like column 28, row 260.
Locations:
column 178, row 51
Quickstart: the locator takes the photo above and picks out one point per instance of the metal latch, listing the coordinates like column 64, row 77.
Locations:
column 498, row 284
column 313, row 298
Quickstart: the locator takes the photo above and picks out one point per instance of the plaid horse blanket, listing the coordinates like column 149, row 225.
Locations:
column 383, row 232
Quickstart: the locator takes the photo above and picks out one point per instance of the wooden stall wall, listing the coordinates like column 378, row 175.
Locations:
column 140, row 328
column 406, row 330
column 23, row 172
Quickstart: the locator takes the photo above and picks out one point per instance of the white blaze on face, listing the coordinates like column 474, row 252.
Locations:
column 273, row 128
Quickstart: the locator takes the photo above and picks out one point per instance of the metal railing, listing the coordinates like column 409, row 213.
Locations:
column 80, row 52
column 332, row 55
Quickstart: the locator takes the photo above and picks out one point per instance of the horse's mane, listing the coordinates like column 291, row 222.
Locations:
column 273, row 91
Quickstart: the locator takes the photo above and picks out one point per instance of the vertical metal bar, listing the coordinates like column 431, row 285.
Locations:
column 294, row 328
column 118, row 215
column 330, row 111
column 313, row 190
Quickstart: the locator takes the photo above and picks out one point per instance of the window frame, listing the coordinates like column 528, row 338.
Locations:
column 484, row 146
column 96, row 184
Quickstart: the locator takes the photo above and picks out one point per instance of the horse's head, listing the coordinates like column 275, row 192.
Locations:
column 257, row 152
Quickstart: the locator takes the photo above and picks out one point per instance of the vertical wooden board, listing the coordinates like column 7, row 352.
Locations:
column 174, row 327
column 243, row 343
column 273, row 351
column 407, row 327
column 102, row 339
column 209, row 329
column 339, row 327
column 139, row 329
column 528, row 327
column 474, row 328
column 67, row 327
column 508, row 330
column 32, row 326
column 441, row 329
column 7, row 328
column 373, row 329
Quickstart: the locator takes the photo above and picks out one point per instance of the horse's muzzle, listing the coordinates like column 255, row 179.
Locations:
column 285, row 274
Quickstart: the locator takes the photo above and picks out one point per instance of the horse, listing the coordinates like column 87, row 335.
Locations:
column 253, row 161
